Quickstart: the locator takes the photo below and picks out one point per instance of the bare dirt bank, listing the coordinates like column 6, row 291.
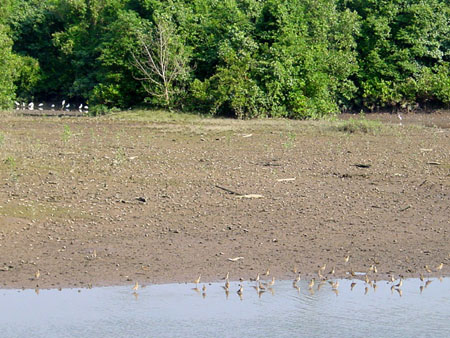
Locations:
column 102, row 202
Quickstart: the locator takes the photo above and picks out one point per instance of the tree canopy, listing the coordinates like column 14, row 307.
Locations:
column 242, row 58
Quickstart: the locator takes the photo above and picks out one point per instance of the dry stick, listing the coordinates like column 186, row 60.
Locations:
column 422, row 183
column 405, row 208
column 228, row 190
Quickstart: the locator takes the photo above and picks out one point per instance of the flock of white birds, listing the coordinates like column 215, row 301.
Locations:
column 64, row 106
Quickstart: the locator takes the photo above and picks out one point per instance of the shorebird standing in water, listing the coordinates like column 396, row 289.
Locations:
column 241, row 290
column 439, row 267
column 261, row 286
column 197, row 281
column 311, row 283
column 319, row 274
column 297, row 279
column 136, row 286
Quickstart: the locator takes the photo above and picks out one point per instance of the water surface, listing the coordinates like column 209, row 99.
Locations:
column 176, row 310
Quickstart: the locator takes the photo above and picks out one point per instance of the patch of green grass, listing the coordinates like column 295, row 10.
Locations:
column 291, row 136
column 154, row 116
column 10, row 161
column 360, row 126
column 32, row 211
column 66, row 134
column 120, row 155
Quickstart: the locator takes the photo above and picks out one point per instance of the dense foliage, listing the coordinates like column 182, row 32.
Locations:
column 243, row 58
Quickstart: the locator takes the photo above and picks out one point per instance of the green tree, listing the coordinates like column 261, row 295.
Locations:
column 7, row 67
column 404, row 51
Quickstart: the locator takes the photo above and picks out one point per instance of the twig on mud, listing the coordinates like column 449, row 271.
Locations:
column 362, row 165
column 422, row 183
column 228, row 190
column 250, row 196
column 405, row 208
column 286, row 179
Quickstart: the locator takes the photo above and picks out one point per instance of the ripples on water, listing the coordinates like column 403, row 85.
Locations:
column 176, row 310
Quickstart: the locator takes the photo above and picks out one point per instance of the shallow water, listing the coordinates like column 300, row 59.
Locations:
column 177, row 310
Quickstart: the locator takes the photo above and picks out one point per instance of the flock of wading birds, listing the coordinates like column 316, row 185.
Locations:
column 262, row 287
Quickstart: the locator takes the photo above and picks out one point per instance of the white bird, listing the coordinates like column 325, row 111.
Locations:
column 86, row 107
column 68, row 105
column 63, row 103
column 80, row 107
column 41, row 104
column 17, row 103
column 31, row 106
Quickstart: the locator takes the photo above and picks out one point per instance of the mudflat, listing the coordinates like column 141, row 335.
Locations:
column 110, row 201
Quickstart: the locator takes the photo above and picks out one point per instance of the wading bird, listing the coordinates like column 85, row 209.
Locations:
column 198, row 280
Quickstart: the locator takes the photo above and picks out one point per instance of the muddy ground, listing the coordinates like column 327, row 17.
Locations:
column 97, row 201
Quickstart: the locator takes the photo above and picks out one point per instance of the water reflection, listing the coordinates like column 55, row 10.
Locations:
column 285, row 309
